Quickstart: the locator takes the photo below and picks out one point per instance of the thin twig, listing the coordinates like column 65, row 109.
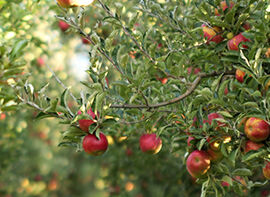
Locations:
column 60, row 82
column 128, row 34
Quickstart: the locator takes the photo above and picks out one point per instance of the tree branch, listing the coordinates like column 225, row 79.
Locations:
column 189, row 91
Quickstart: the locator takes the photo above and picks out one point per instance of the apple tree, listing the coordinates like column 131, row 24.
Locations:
column 185, row 80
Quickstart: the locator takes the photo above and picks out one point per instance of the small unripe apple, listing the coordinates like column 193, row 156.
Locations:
column 224, row 6
column 94, row 146
column 230, row 35
column 211, row 34
column 266, row 170
column 85, row 123
column 235, row 41
column 198, row 163
column 63, row 25
column 250, row 145
column 74, row 3
column 257, row 129
column 150, row 143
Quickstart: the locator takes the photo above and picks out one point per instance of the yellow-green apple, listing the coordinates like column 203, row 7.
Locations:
column 229, row 35
column 150, row 143
column 224, row 6
column 198, row 163
column 212, row 34
column 266, row 170
column 235, row 41
column 94, row 146
column 239, row 75
column 63, row 25
column 74, row 3
column 85, row 123
column 250, row 145
column 257, row 129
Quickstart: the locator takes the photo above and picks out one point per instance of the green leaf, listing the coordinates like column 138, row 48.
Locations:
column 242, row 172
column 17, row 49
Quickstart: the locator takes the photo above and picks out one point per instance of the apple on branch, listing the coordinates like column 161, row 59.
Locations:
column 63, row 25
column 257, row 129
column 85, row 123
column 198, row 163
column 94, row 146
column 266, row 170
column 150, row 143
column 212, row 34
column 74, row 3
column 233, row 44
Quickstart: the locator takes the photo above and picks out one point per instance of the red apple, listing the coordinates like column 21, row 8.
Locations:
column 40, row 62
column 94, row 146
column 63, row 25
column 129, row 152
column 225, row 184
column 226, row 91
column 85, row 123
column 235, row 41
column 211, row 34
column 213, row 116
column 85, row 41
column 198, row 163
column 223, row 6
column 247, row 26
column 257, row 129
column 266, row 170
column 190, row 138
column 195, row 71
column 250, row 145
column 163, row 80
column 74, row 3
column 2, row 116
column 239, row 75
column 150, row 143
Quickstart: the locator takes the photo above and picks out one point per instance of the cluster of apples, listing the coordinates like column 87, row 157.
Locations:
column 93, row 145
column 213, row 34
column 199, row 161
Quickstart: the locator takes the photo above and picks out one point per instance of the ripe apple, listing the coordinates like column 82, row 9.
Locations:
column 213, row 116
column 267, row 53
column 74, row 3
column 150, row 143
column 247, row 26
column 235, row 41
column 129, row 152
column 266, row 170
column 239, row 75
column 226, row 91
column 85, row 123
column 85, row 41
column 198, row 163
column 223, row 6
column 63, row 25
column 229, row 35
column 2, row 116
column 257, row 129
column 40, row 62
column 225, row 184
column 191, row 70
column 250, row 145
column 211, row 34
column 163, row 80
column 94, row 146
